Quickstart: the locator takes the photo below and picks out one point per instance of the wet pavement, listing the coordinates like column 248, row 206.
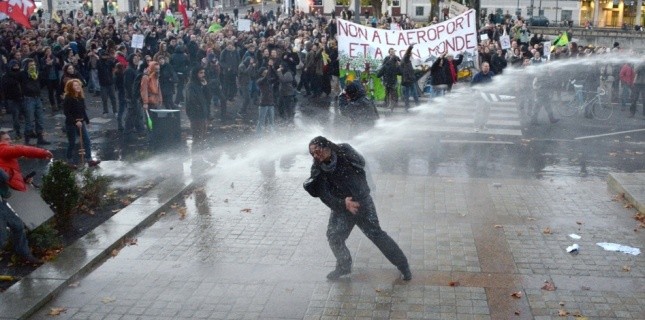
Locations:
column 480, row 216
column 252, row 245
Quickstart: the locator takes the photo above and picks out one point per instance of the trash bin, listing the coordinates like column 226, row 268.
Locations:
column 166, row 129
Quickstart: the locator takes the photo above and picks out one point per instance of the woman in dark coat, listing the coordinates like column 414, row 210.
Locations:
column 76, row 120
column 198, row 98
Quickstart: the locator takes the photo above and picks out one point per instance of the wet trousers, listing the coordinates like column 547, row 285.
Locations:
column 108, row 92
column 638, row 91
column 9, row 219
column 72, row 133
column 341, row 225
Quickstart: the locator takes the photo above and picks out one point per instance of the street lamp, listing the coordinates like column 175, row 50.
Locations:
column 517, row 11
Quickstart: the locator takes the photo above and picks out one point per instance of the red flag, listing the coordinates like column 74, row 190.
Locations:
column 182, row 9
column 18, row 10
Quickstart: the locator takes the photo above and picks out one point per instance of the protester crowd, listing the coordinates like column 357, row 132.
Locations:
column 280, row 57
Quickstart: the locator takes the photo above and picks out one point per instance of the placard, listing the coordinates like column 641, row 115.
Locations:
column 243, row 25
column 547, row 49
column 137, row 41
column 483, row 36
column 505, row 42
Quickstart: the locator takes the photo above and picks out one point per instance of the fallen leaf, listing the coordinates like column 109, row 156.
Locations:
column 174, row 206
column 115, row 252
column 74, row 284
column 225, row 200
column 517, row 294
column 499, row 226
column 182, row 213
column 613, row 154
column 130, row 241
column 107, row 300
column 517, row 313
column 619, row 197
column 577, row 314
column 454, row 283
column 247, row 210
column 548, row 286
column 628, row 206
column 377, row 289
column 56, row 311
column 162, row 213
column 116, row 210
column 561, row 303
column 585, row 288
column 579, row 222
column 547, row 230
column 627, row 268
column 563, row 313
column 531, row 219
column 126, row 202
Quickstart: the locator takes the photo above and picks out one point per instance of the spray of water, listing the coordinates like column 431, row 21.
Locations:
column 246, row 154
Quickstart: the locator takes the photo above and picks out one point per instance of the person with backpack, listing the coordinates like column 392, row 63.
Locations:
column 354, row 104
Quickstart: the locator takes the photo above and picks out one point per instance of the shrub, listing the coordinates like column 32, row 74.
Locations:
column 45, row 237
column 60, row 191
column 94, row 187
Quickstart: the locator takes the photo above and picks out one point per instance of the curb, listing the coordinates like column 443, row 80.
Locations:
column 31, row 293
column 632, row 185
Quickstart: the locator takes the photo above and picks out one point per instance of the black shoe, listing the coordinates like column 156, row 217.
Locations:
column 406, row 275
column 93, row 163
column 32, row 260
column 42, row 141
column 337, row 273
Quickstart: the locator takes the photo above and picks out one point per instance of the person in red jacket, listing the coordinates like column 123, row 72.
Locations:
column 11, row 177
column 626, row 75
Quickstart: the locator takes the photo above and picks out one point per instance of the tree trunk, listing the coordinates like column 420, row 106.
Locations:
column 376, row 7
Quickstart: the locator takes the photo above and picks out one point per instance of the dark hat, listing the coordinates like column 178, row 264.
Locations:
column 616, row 44
column 13, row 63
column 102, row 52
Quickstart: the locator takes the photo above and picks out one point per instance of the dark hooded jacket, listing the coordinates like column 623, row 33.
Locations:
column 355, row 104
column 11, row 89
column 128, row 79
column 343, row 177
column 198, row 98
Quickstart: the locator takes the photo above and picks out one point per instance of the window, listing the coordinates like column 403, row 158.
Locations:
column 566, row 15
column 317, row 2
column 419, row 11
column 343, row 3
column 396, row 3
column 541, row 12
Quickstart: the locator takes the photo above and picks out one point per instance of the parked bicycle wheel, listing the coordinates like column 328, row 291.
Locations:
column 568, row 108
column 602, row 111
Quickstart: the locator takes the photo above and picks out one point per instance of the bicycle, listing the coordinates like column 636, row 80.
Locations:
column 599, row 110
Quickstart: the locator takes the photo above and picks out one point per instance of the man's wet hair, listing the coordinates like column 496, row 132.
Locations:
column 323, row 142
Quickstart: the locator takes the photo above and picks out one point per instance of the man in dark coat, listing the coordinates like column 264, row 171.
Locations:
column 105, row 70
column 338, row 178
column 389, row 71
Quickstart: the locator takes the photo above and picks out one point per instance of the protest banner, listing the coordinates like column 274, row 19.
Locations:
column 358, row 44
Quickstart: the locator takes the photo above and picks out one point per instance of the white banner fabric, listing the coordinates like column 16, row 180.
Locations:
column 358, row 44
